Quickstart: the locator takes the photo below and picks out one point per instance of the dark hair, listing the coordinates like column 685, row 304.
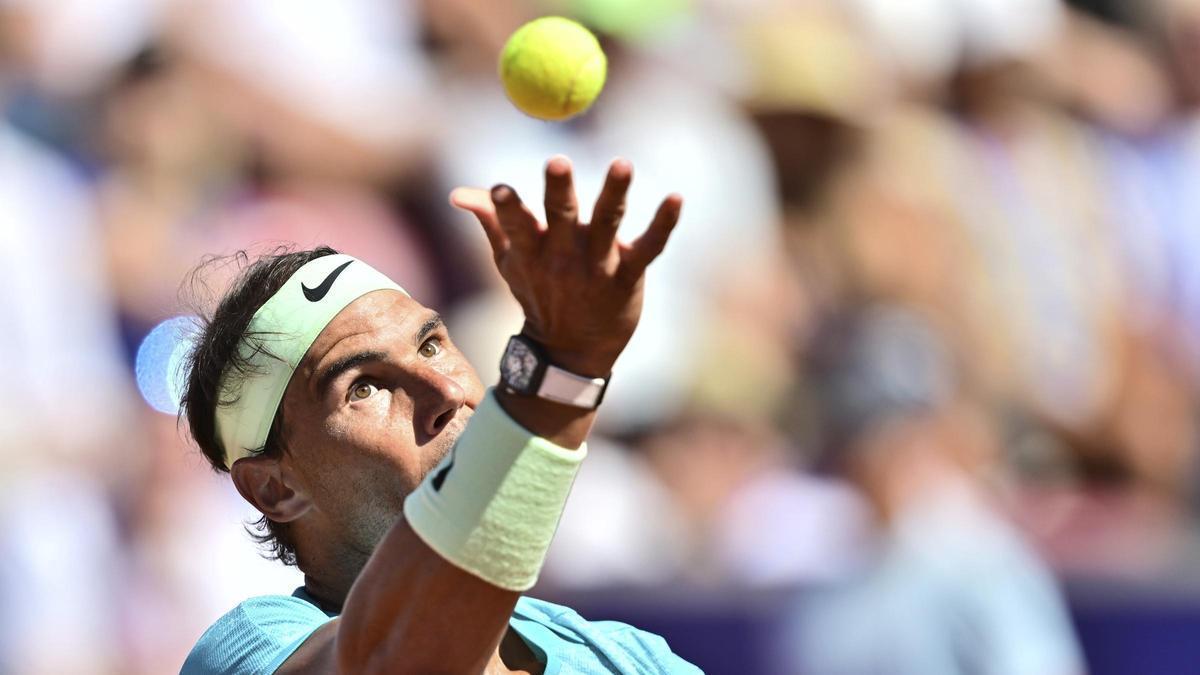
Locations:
column 871, row 364
column 217, row 351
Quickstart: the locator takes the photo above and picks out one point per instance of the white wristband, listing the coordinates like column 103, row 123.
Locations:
column 491, row 507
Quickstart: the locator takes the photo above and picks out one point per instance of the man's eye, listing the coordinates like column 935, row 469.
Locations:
column 431, row 347
column 362, row 390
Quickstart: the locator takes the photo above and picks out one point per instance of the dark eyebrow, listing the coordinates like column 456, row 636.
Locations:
column 327, row 376
column 431, row 324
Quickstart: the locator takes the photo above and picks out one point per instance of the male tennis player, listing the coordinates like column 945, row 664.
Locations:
column 419, row 504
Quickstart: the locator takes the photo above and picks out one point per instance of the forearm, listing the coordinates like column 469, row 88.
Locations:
column 438, row 592
column 474, row 535
column 413, row 611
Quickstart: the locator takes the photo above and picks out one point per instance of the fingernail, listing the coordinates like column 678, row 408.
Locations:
column 501, row 193
column 558, row 164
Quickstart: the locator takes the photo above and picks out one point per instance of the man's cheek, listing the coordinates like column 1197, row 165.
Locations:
column 337, row 428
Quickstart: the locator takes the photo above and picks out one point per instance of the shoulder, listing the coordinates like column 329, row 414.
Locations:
column 254, row 637
column 617, row 642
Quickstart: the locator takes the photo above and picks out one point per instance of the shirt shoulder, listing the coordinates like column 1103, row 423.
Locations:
column 254, row 637
column 627, row 649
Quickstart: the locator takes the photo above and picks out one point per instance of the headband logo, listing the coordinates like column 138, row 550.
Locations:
column 315, row 294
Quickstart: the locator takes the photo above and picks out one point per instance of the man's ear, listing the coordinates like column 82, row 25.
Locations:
column 263, row 482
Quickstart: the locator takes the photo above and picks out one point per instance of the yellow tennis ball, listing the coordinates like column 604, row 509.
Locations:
column 552, row 68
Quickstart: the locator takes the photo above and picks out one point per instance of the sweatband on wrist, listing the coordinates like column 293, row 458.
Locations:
column 492, row 505
column 276, row 339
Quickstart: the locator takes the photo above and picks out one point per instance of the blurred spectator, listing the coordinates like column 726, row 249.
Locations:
column 749, row 520
column 65, row 419
column 947, row 586
column 337, row 89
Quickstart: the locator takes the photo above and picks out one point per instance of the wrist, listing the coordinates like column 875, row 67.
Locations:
column 563, row 425
column 585, row 361
column 583, row 364
column 527, row 369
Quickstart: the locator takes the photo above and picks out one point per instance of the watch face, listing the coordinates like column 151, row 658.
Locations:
column 520, row 365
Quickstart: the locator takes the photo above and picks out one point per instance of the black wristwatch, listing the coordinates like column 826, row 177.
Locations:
column 525, row 370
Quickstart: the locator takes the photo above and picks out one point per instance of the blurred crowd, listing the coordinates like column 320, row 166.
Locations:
column 926, row 341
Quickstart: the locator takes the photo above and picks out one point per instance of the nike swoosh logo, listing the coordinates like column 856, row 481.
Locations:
column 315, row 294
column 440, row 476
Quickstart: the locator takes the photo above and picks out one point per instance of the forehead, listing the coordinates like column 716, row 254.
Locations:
column 377, row 315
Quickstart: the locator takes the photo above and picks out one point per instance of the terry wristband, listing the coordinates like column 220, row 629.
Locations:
column 491, row 507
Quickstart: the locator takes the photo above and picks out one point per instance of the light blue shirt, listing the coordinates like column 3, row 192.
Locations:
column 954, row 591
column 259, row 634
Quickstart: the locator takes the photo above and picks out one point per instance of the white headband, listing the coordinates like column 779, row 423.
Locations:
column 277, row 338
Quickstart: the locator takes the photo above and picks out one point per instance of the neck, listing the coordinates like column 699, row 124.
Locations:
column 329, row 597
column 328, row 577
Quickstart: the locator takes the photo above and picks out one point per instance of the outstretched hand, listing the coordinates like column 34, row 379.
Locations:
column 581, row 289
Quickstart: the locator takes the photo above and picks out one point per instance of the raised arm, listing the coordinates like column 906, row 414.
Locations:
column 412, row 609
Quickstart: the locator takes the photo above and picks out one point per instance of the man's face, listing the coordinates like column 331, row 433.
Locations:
column 375, row 404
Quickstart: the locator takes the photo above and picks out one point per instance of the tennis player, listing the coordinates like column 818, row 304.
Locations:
column 418, row 503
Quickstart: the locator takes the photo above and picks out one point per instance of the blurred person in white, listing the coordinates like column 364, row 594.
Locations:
column 1031, row 202
column 750, row 518
column 1172, row 157
column 1128, row 515
column 65, row 409
column 1152, row 160
column 1110, row 76
column 1023, row 195
column 947, row 587
column 865, row 165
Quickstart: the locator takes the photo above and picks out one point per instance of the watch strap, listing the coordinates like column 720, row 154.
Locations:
column 565, row 387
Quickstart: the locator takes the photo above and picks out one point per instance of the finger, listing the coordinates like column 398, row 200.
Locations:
column 646, row 248
column 471, row 199
column 516, row 220
column 562, row 212
column 610, row 208
column 479, row 203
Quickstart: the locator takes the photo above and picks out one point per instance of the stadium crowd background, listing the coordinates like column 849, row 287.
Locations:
column 935, row 298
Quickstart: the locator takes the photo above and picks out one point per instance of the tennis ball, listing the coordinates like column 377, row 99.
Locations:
column 552, row 68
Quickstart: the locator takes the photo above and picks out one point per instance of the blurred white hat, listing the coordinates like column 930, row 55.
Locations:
column 350, row 64
column 73, row 45
column 928, row 39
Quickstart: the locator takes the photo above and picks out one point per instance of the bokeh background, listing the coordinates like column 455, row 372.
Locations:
column 916, row 386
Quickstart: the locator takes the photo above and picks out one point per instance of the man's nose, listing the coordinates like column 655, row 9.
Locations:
column 439, row 400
